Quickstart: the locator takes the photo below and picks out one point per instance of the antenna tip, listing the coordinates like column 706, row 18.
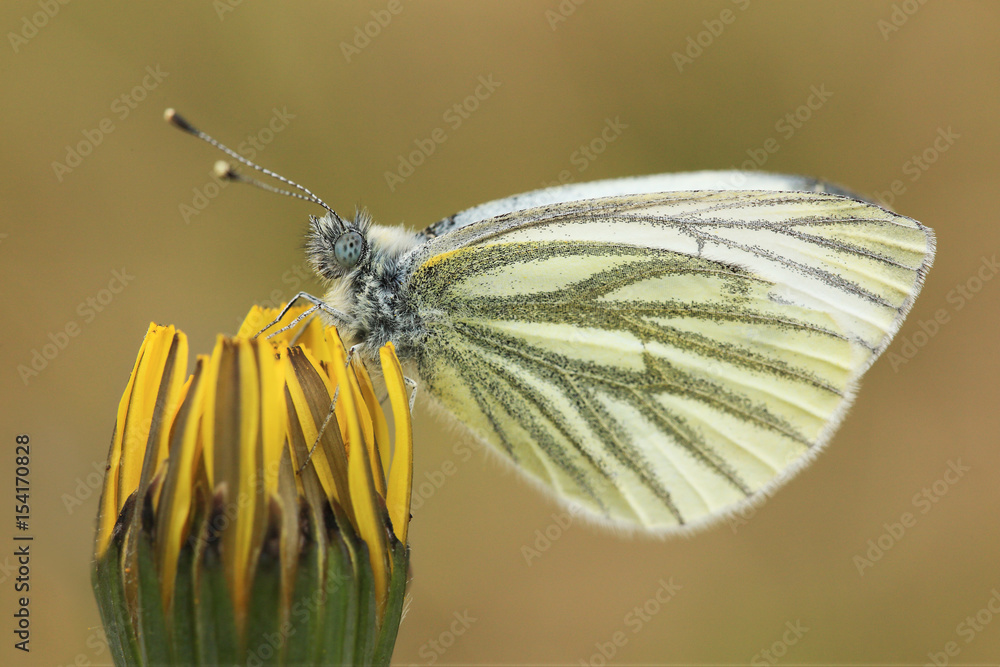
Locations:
column 223, row 169
column 175, row 119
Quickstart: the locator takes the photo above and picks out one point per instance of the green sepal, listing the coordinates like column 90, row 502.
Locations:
column 184, row 614
column 109, row 589
column 400, row 555
column 154, row 639
column 218, row 643
column 337, row 598
column 305, row 643
column 265, row 640
column 364, row 596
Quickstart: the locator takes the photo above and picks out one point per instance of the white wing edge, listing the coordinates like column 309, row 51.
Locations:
column 636, row 185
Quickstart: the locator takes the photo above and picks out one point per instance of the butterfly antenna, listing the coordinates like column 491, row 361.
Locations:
column 226, row 171
column 223, row 169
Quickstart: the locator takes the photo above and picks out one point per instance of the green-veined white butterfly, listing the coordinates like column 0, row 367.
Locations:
column 657, row 349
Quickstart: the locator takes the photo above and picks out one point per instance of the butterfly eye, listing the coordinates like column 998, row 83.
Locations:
column 347, row 249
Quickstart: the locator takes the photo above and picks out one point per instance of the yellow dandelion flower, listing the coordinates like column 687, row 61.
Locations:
column 244, row 521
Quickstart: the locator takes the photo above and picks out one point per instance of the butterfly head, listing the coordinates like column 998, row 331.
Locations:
column 337, row 247
column 362, row 261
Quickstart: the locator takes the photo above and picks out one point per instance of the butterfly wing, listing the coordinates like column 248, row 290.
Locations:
column 661, row 358
column 632, row 185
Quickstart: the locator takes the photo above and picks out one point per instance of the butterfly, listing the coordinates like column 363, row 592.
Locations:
column 657, row 350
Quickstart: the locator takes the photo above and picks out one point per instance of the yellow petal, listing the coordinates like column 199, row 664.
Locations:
column 176, row 496
column 303, row 381
column 249, row 512
column 367, row 430
column 211, row 380
column 140, row 408
column 363, row 490
column 379, row 425
column 401, row 472
column 154, row 390
column 111, row 503
column 273, row 415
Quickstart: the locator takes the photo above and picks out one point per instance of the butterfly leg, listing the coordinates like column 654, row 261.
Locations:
column 317, row 304
column 294, row 340
column 306, row 313
column 412, row 384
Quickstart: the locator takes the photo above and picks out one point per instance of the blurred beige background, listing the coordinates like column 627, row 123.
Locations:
column 905, row 102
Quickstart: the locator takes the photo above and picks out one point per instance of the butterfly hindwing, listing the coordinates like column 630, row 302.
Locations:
column 659, row 358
